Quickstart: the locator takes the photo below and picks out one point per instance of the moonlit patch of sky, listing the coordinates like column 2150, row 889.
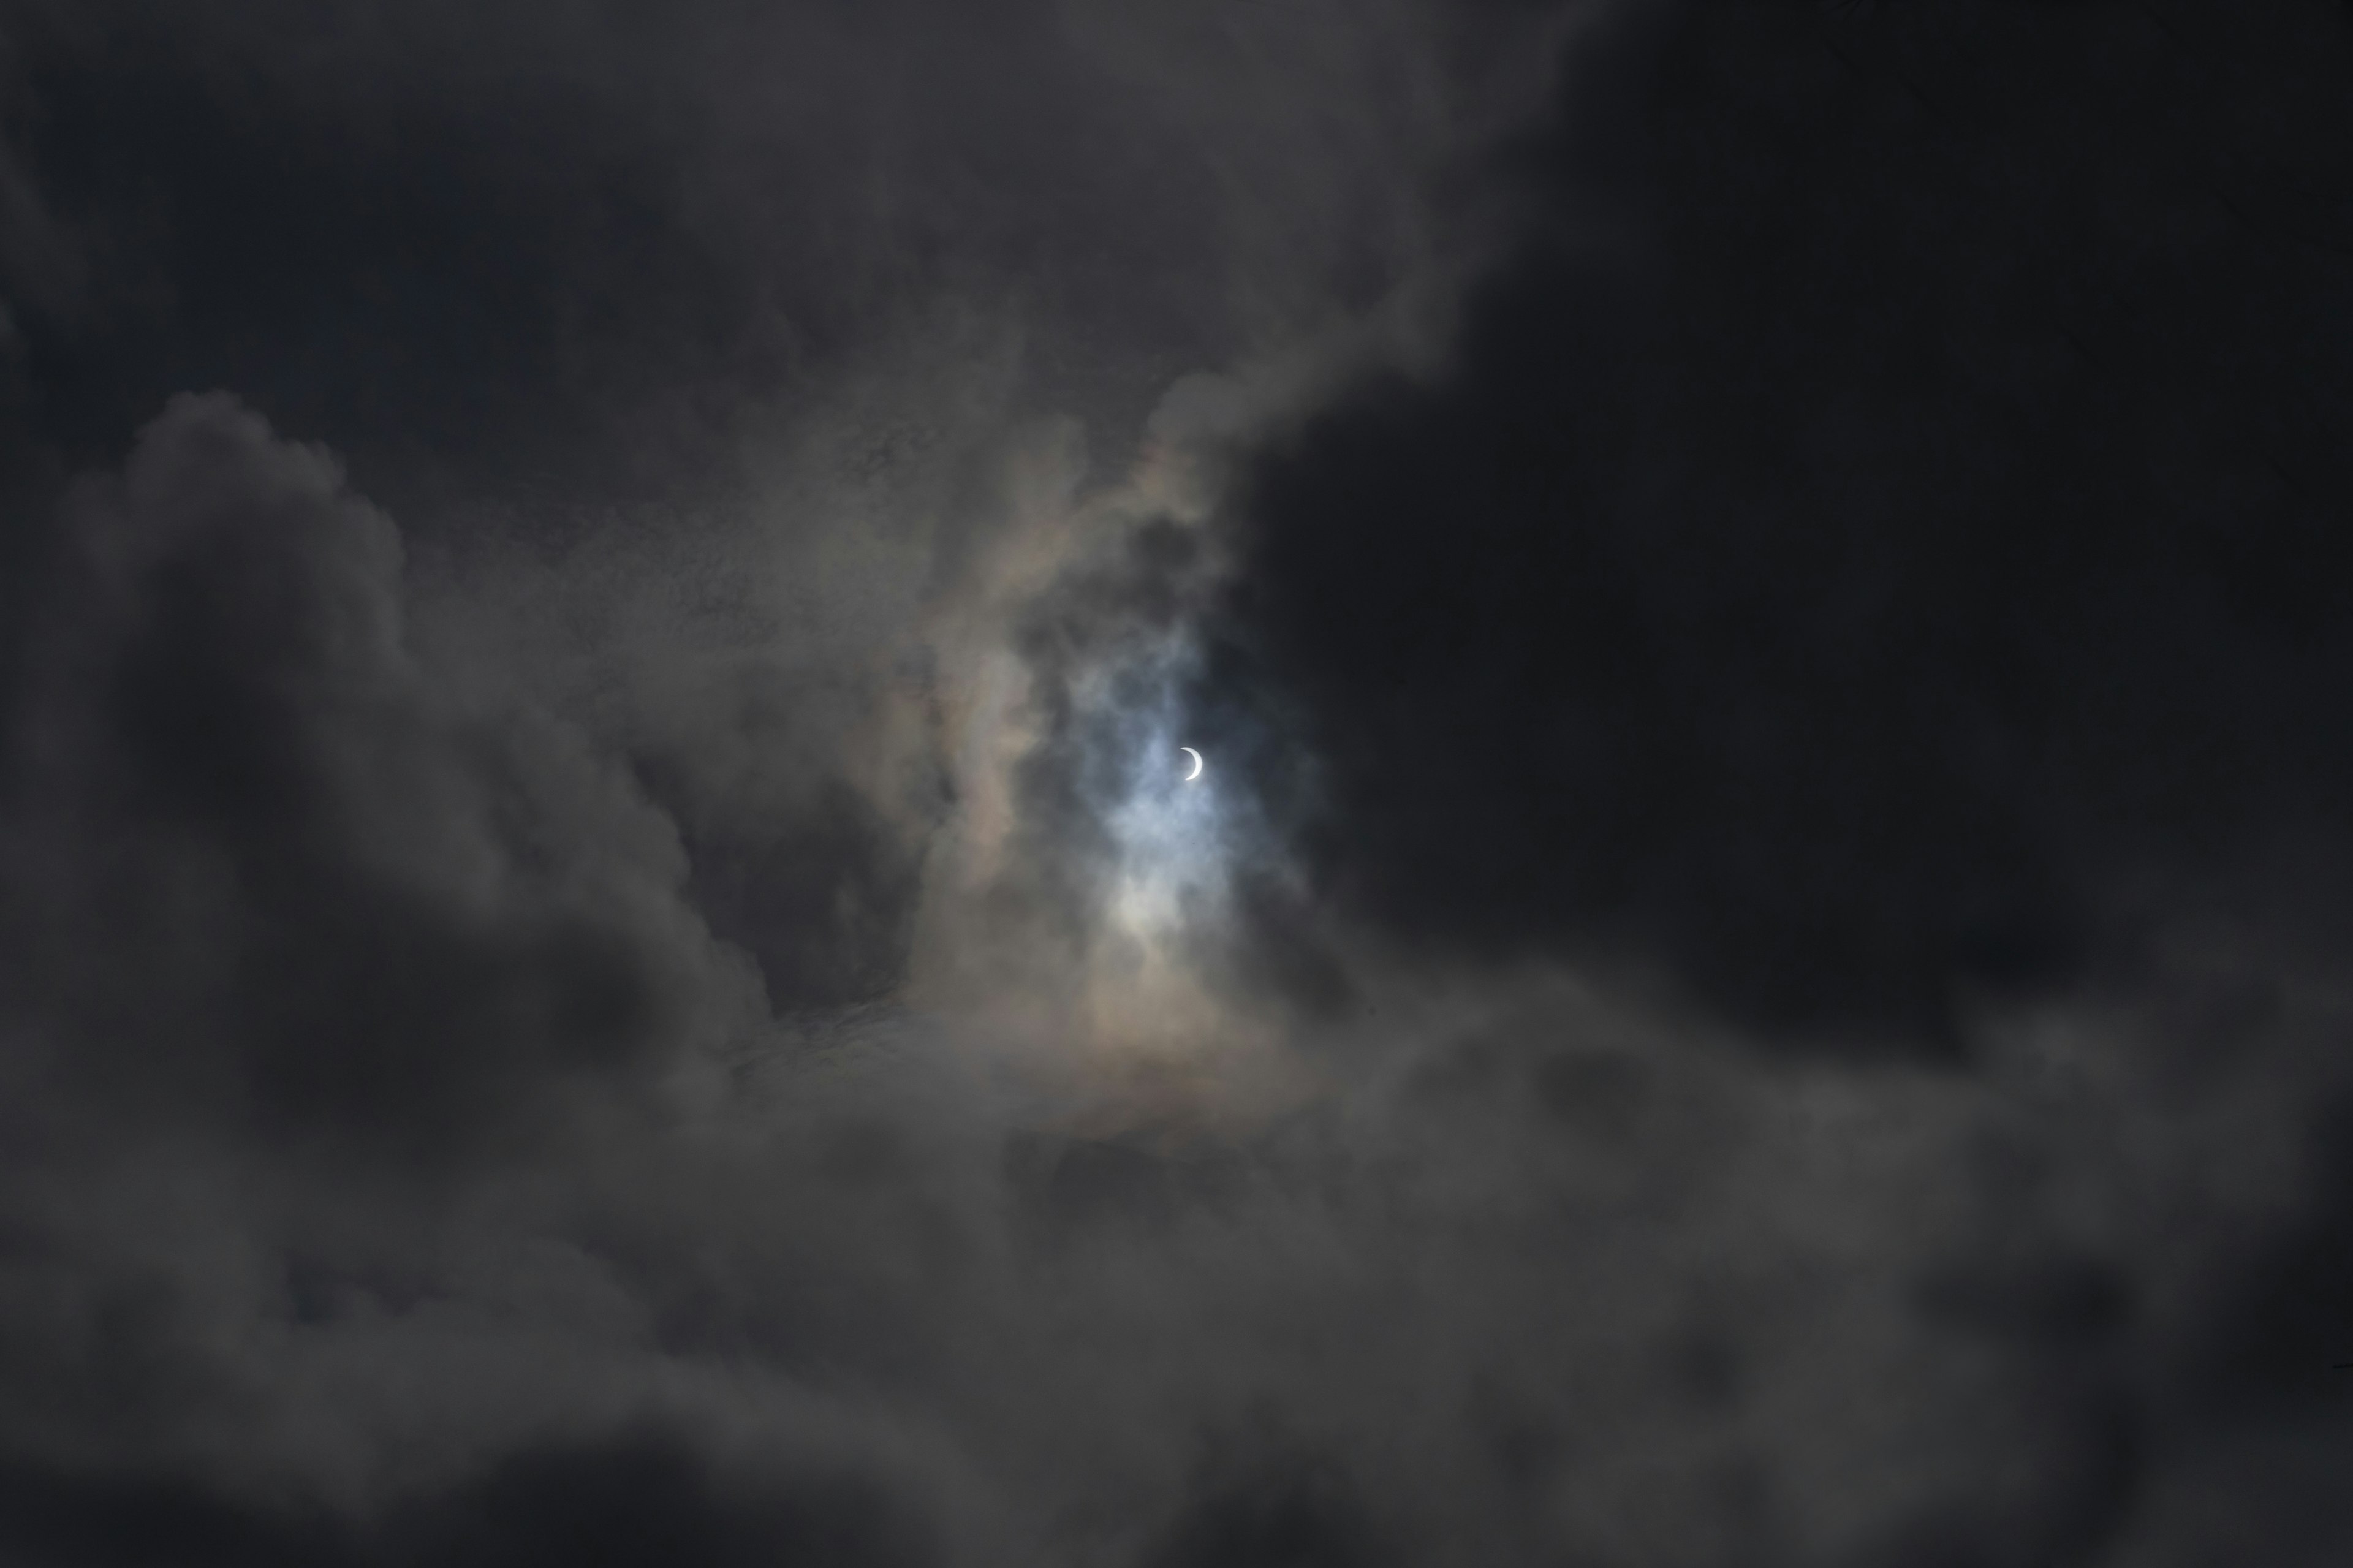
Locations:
column 1172, row 836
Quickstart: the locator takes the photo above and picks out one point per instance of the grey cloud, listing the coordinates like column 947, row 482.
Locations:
column 261, row 868
column 1546, row 1279
column 479, row 249
column 643, row 1498
column 470, row 1086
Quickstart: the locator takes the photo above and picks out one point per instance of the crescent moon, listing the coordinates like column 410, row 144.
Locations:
column 1196, row 763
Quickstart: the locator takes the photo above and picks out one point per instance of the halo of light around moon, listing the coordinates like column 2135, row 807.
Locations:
column 1196, row 763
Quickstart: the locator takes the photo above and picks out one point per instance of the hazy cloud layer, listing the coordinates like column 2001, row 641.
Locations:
column 605, row 958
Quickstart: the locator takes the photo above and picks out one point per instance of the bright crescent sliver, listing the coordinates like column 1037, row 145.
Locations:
column 1196, row 763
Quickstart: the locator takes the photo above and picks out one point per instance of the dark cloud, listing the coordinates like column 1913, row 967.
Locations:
column 262, row 868
column 480, row 250
column 642, row 1499
column 649, row 1500
column 1886, row 500
column 634, row 979
column 1271, row 1509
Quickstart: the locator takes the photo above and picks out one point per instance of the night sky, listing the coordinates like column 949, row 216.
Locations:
column 605, row 957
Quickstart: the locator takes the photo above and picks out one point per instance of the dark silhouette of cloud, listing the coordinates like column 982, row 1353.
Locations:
column 1886, row 500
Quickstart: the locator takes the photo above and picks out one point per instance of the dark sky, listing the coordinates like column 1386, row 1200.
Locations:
column 605, row 958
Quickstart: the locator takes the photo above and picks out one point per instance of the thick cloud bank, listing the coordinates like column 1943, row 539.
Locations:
column 605, row 956
column 265, row 873
column 1889, row 507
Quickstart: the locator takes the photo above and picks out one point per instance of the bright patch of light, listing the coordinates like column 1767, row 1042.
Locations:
column 1170, row 833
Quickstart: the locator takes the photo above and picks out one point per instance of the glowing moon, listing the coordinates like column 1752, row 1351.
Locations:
column 1196, row 763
